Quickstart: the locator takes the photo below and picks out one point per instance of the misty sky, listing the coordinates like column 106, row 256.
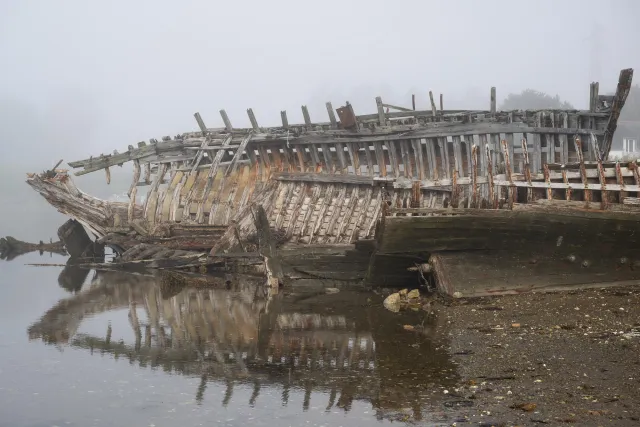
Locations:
column 83, row 77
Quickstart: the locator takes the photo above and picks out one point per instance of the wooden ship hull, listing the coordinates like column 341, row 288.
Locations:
column 410, row 186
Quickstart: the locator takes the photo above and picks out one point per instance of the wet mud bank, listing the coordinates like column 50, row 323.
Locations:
column 545, row 359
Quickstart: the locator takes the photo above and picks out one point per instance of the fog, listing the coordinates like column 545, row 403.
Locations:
column 82, row 78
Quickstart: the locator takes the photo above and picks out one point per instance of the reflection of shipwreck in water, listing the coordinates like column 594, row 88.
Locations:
column 414, row 183
column 235, row 335
column 10, row 248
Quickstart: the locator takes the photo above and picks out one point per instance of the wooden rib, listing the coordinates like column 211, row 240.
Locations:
column 457, row 156
column 326, row 154
column 175, row 201
column 493, row 101
column 620, row 181
column 492, row 196
column 201, row 125
column 604, row 195
column 266, row 163
column 527, row 170
column 362, row 214
column 381, row 118
column 332, row 115
column 507, row 160
column 287, row 159
column 315, row 157
column 252, row 119
column 367, row 154
column 354, row 154
column 337, row 207
column 132, row 204
column 199, row 156
column 382, row 168
column 301, row 158
column 406, row 159
column 565, row 179
column 433, row 104
column 474, row 176
column 225, row 119
column 162, row 194
column 342, row 161
column 346, row 218
column 431, row 158
column 285, row 120
column 551, row 141
column 444, row 153
column 564, row 142
column 151, row 203
column 235, row 178
column 282, row 209
column 165, row 212
column 277, row 158
column 393, row 157
column 310, row 209
column 255, row 162
column 418, row 159
column 295, row 213
column 326, row 201
column 247, row 192
column 211, row 176
column 305, row 114
column 136, row 176
column 467, row 144
column 376, row 214
column 238, row 154
column 147, row 173
column 583, row 172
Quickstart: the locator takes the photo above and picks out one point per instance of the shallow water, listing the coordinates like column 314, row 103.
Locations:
column 81, row 348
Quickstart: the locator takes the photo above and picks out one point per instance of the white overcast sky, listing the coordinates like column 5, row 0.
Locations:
column 82, row 77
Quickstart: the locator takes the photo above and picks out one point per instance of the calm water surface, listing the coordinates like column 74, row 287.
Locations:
column 86, row 348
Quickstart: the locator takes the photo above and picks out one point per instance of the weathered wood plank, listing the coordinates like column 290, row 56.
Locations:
column 225, row 119
column 342, row 161
column 381, row 119
column 252, row 119
column 306, row 116
column 201, row 125
column 382, row 167
column 332, row 115
column 354, row 155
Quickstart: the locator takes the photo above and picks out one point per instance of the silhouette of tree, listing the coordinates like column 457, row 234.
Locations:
column 530, row 99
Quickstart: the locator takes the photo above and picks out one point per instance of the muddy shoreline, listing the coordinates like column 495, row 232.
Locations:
column 546, row 358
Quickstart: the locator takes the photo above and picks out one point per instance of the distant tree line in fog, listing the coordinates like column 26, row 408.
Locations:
column 531, row 99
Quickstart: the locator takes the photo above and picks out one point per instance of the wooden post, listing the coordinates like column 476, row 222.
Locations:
column 252, row 118
column 493, row 100
column 381, row 119
column 305, row 114
column 225, row 119
column 433, row 104
column 441, row 103
column 285, row 121
column 201, row 125
column 332, row 116
column 413, row 102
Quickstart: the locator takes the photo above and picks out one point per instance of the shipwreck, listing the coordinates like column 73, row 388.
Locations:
column 475, row 202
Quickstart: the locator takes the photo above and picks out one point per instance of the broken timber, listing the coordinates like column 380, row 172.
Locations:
column 384, row 177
